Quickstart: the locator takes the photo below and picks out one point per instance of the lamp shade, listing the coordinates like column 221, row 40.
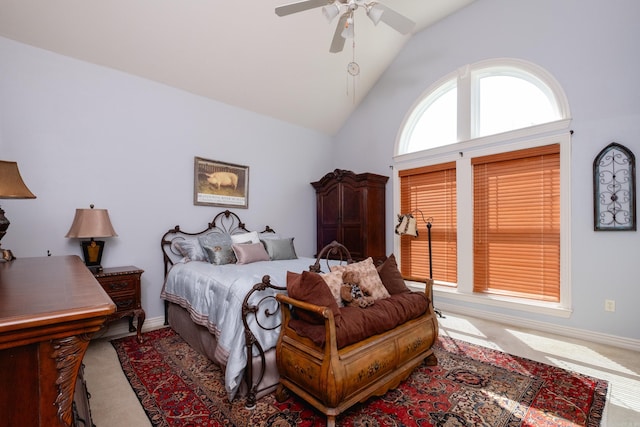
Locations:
column 407, row 225
column 375, row 13
column 90, row 223
column 330, row 11
column 348, row 32
column 11, row 184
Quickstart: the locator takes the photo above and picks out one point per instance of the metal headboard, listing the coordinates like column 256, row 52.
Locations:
column 226, row 222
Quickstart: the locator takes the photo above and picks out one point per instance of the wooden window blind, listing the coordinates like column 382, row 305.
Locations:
column 517, row 223
column 431, row 189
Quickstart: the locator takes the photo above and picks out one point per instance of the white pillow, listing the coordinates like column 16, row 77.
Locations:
column 250, row 237
column 267, row 235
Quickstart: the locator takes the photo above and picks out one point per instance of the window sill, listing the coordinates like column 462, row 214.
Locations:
column 549, row 309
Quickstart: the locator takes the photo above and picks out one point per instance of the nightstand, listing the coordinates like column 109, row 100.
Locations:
column 123, row 286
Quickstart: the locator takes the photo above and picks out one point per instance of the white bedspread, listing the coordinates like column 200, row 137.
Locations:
column 213, row 296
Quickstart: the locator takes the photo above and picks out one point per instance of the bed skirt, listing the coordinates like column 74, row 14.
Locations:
column 205, row 343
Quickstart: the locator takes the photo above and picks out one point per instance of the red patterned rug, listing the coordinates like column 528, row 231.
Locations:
column 471, row 386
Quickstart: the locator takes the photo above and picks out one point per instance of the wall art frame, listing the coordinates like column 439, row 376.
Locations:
column 614, row 189
column 218, row 183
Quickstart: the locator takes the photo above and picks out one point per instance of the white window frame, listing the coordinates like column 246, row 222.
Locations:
column 468, row 147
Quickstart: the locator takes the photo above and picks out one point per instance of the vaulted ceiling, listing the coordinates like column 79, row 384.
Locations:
column 237, row 52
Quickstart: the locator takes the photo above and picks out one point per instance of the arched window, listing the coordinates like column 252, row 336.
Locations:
column 487, row 98
column 485, row 153
column 435, row 121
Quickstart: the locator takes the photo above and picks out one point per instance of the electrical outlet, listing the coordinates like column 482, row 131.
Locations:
column 609, row 305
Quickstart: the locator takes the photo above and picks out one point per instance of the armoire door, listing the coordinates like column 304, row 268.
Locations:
column 351, row 210
column 328, row 211
column 351, row 220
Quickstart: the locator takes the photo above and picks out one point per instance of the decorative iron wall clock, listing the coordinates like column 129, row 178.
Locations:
column 614, row 182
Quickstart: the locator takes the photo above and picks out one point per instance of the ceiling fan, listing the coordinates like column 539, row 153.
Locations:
column 345, row 8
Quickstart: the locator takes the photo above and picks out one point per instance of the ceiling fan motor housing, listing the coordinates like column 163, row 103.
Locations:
column 345, row 9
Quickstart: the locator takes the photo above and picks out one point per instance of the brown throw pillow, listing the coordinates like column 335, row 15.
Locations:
column 391, row 276
column 310, row 287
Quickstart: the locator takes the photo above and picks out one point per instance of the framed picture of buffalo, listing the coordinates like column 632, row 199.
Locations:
column 220, row 184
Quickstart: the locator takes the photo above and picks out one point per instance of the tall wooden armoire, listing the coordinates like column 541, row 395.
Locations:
column 351, row 210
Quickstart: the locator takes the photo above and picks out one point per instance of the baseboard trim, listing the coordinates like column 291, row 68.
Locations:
column 597, row 337
column 120, row 328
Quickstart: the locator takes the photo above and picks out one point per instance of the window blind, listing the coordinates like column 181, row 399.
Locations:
column 432, row 189
column 517, row 223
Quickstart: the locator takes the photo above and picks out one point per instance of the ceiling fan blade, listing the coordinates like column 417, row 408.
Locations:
column 398, row 22
column 337, row 44
column 300, row 6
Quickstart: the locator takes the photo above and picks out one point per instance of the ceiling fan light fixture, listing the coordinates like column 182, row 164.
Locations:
column 374, row 12
column 330, row 11
column 346, row 10
column 347, row 32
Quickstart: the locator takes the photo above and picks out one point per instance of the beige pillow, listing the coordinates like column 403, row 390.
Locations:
column 247, row 253
column 334, row 282
column 370, row 281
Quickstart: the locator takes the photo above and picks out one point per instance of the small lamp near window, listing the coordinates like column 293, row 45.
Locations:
column 90, row 224
column 11, row 187
column 407, row 226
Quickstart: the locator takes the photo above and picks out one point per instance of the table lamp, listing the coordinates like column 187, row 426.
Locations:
column 90, row 224
column 11, row 187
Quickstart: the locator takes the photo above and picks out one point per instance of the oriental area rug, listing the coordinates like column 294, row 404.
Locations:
column 470, row 386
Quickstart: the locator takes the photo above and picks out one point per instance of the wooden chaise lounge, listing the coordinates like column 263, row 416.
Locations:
column 330, row 371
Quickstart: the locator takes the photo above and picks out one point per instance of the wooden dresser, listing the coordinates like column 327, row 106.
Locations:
column 49, row 309
column 351, row 210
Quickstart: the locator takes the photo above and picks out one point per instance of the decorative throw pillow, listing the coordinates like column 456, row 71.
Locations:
column 220, row 254
column 214, row 238
column 250, row 237
column 391, row 276
column 334, row 282
column 310, row 287
column 247, row 253
column 190, row 249
column 370, row 281
column 280, row 248
column 221, row 241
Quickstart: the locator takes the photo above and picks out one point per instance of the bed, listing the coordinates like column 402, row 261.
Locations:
column 227, row 310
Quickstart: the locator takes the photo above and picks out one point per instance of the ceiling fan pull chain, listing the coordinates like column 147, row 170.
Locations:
column 354, row 90
column 353, row 68
column 353, row 61
column 347, row 84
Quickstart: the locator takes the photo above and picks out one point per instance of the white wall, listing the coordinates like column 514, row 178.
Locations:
column 590, row 47
column 85, row 134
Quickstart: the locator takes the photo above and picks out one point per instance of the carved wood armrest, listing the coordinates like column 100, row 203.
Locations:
column 318, row 309
column 428, row 285
column 331, row 346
